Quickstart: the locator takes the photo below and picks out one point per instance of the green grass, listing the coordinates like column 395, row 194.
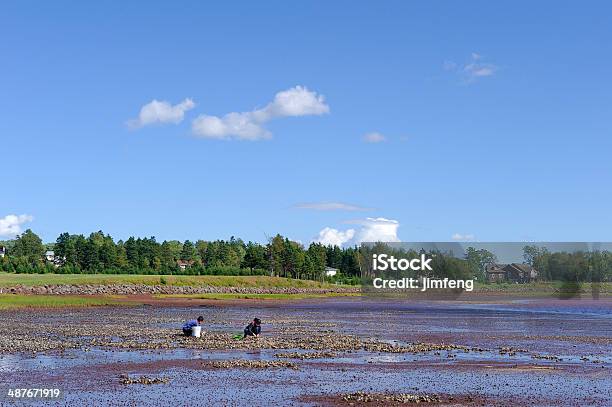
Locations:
column 11, row 301
column 539, row 287
column 235, row 296
column 10, row 280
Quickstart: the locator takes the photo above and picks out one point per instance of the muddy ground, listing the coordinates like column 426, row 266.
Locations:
column 337, row 351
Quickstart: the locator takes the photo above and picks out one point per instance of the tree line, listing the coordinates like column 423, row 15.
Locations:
column 100, row 253
column 578, row 266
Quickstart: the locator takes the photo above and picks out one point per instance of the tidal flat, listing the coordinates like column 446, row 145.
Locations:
column 320, row 351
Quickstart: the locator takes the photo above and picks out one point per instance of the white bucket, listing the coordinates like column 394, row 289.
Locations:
column 196, row 331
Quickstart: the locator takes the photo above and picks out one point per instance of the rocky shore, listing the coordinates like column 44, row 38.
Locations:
column 139, row 289
column 126, row 379
column 131, row 330
column 250, row 364
column 517, row 290
column 333, row 352
column 402, row 398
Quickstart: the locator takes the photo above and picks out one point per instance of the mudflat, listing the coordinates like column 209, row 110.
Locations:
column 320, row 351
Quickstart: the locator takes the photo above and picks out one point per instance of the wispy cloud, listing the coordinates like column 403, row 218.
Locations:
column 370, row 230
column 474, row 69
column 374, row 137
column 10, row 225
column 160, row 112
column 462, row 238
column 329, row 206
column 297, row 101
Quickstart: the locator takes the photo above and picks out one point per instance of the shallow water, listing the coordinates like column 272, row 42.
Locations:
column 569, row 330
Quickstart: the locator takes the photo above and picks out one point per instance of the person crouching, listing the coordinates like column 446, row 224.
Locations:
column 253, row 329
column 188, row 326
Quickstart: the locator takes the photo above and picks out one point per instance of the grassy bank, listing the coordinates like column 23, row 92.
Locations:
column 263, row 282
column 10, row 280
column 234, row 296
column 11, row 301
column 548, row 287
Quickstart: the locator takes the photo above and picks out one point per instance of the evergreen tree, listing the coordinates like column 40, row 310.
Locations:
column 188, row 252
column 29, row 246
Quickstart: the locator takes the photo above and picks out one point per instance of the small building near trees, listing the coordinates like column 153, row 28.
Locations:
column 495, row 273
column 50, row 257
column 330, row 271
column 513, row 272
column 184, row 264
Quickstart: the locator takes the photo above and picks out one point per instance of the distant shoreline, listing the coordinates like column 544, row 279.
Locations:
column 180, row 284
column 84, row 290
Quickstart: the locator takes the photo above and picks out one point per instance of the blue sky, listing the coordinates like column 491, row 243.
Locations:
column 492, row 120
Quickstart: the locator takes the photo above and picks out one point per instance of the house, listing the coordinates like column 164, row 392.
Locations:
column 2, row 251
column 183, row 264
column 330, row 271
column 495, row 273
column 50, row 256
column 521, row 272
column 513, row 272
column 59, row 261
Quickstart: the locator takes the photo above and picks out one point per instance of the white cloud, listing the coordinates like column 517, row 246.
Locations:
column 334, row 237
column 297, row 101
column 374, row 138
column 472, row 70
column 10, row 225
column 329, row 206
column 294, row 102
column 377, row 230
column 161, row 112
column 463, row 238
column 236, row 125
column 370, row 230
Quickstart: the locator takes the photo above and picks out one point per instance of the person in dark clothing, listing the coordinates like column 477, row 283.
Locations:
column 253, row 329
column 190, row 324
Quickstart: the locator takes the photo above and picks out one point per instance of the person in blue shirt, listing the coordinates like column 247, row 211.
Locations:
column 190, row 324
column 253, row 329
